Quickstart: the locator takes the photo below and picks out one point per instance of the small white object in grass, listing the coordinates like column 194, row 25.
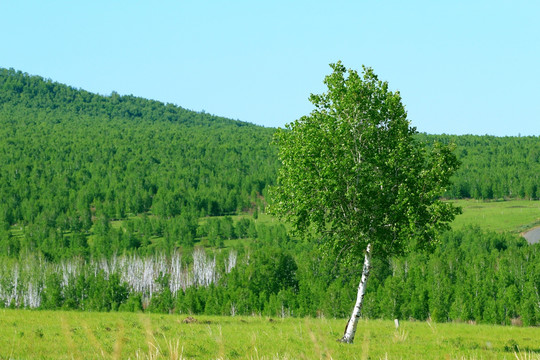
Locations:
column 396, row 322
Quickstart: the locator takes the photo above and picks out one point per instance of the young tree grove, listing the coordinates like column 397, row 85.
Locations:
column 354, row 177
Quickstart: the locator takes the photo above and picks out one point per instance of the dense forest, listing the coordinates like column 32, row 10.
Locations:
column 118, row 202
column 494, row 167
column 72, row 161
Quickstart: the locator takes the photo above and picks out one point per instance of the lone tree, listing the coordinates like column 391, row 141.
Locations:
column 354, row 175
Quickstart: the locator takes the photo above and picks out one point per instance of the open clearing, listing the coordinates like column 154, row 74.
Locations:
column 512, row 215
column 82, row 335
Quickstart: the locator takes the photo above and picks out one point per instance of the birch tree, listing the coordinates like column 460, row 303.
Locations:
column 354, row 177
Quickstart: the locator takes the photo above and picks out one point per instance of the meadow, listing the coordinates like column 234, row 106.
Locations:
column 26, row 334
column 512, row 215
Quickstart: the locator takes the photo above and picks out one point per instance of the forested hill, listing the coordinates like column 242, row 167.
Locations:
column 71, row 161
column 494, row 167
column 68, row 156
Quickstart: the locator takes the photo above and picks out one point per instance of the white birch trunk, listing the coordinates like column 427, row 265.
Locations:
column 350, row 329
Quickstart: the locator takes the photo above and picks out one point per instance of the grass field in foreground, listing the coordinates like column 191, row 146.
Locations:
column 26, row 334
column 512, row 215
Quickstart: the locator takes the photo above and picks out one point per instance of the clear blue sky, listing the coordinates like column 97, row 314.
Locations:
column 462, row 67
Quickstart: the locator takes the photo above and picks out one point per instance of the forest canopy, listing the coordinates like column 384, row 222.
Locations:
column 96, row 191
column 71, row 161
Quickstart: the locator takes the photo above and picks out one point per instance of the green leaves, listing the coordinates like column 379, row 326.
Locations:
column 353, row 173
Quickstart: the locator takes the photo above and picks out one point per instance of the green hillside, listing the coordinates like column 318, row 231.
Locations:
column 122, row 203
column 71, row 160
column 494, row 167
column 512, row 216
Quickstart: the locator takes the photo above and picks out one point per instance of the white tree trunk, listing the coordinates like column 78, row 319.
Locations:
column 350, row 329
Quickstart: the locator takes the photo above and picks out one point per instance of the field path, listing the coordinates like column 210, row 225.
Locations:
column 365, row 344
column 93, row 340
column 69, row 339
column 221, row 345
column 120, row 339
column 316, row 342
column 150, row 340
column 532, row 236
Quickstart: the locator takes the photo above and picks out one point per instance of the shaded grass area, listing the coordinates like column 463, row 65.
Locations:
column 81, row 335
column 513, row 215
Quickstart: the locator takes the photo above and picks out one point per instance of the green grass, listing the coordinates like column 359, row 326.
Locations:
column 79, row 335
column 513, row 215
column 262, row 218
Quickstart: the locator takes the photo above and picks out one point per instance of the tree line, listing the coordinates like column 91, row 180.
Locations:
column 473, row 275
column 71, row 161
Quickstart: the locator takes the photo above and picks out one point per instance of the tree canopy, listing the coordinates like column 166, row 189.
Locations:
column 72, row 161
column 353, row 172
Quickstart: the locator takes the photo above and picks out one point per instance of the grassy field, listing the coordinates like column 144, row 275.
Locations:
column 513, row 215
column 28, row 334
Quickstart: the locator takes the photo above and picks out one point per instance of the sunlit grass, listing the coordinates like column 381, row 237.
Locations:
column 513, row 215
column 83, row 335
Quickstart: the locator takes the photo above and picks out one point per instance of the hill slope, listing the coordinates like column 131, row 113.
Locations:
column 69, row 158
column 494, row 167
column 72, row 161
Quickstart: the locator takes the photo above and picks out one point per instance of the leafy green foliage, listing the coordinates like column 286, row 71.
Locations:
column 354, row 173
column 72, row 163
column 472, row 275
